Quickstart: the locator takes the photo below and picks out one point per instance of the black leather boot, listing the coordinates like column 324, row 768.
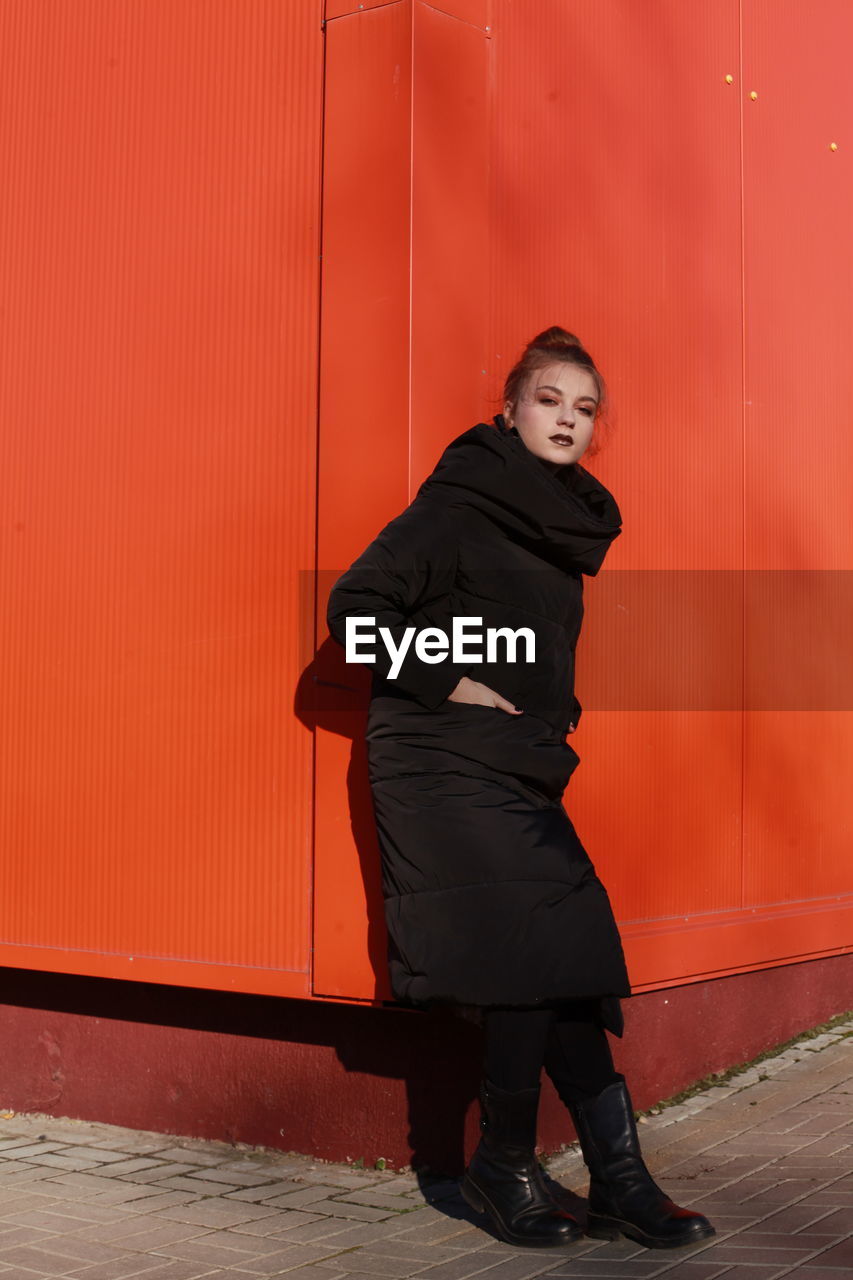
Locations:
column 503, row 1179
column 623, row 1196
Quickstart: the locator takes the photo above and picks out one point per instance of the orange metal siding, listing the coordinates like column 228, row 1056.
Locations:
column 364, row 406
column 798, row 198
column 159, row 308
column 405, row 296
column 633, row 197
column 618, row 140
column 488, row 167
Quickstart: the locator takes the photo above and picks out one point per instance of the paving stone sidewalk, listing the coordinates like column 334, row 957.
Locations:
column 769, row 1157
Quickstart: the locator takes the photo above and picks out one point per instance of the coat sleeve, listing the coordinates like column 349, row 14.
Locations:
column 404, row 579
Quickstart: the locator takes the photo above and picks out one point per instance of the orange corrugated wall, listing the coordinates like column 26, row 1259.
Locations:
column 159, row 286
column 661, row 179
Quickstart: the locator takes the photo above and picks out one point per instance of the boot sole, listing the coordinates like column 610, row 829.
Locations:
column 612, row 1228
column 473, row 1196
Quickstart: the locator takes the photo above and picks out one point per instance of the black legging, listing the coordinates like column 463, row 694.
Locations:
column 567, row 1039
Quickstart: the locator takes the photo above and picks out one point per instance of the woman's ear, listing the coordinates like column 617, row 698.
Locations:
column 507, row 413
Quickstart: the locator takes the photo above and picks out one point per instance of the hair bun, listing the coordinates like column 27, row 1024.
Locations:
column 555, row 339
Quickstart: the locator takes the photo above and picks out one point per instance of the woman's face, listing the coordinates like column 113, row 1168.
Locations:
column 555, row 414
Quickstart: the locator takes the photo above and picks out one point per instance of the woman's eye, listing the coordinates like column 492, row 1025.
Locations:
column 585, row 409
column 547, row 400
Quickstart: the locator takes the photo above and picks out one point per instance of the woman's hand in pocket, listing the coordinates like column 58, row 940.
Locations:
column 469, row 690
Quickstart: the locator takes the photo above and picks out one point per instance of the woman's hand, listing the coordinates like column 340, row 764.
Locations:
column 472, row 691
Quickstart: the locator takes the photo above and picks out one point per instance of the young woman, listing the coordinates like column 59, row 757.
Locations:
column 490, row 898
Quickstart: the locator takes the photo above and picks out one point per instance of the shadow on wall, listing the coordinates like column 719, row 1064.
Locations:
column 335, row 697
column 343, row 1082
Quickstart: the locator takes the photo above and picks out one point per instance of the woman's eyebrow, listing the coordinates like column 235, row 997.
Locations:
column 546, row 387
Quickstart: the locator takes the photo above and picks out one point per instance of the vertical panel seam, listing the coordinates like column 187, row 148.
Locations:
column 315, row 593
column 744, row 637
column 411, row 242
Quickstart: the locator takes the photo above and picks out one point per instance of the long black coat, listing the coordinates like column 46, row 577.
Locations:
column 490, row 897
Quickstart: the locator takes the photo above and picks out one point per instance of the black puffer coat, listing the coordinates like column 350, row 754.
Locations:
column 490, row 897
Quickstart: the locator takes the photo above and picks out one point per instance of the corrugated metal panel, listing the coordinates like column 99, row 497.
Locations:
column 364, row 449
column 388, row 174
column 476, row 12
column 617, row 208
column 450, row 252
column 341, row 8
column 159, row 299
column 799, row 448
column 617, row 212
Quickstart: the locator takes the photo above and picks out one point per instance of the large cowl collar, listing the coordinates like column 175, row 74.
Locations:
column 566, row 517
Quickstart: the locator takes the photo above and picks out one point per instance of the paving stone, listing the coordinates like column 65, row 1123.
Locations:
column 695, row 1271
column 76, row 1185
column 381, row 1200
column 51, row 1263
column 198, row 1155
column 736, row 1251
column 768, row 1158
column 116, row 1194
column 125, row 1165
column 337, row 1208
column 301, row 1196
column 461, row 1269
column 273, row 1264
column 26, row 1148
column 131, row 1143
column 83, row 1251
column 150, row 1199
column 280, row 1223
column 151, row 1268
column 158, row 1171
column 415, row 1252
column 264, row 1192
column 791, row 1219
column 366, row 1262
column 314, row 1271
column 59, row 1160
column 324, row 1227
column 754, row 1272
column 630, row 1269
column 207, row 1249
column 14, row 1235
column 800, row 1241
column 197, row 1184
column 140, row 1234
column 214, row 1213
column 839, row 1255
column 841, row 1221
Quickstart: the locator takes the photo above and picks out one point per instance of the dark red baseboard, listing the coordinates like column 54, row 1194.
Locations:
column 343, row 1082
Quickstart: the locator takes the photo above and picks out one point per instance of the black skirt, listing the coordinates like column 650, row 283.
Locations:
column 490, row 896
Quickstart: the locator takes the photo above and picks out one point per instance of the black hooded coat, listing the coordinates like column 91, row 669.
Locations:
column 490, row 897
